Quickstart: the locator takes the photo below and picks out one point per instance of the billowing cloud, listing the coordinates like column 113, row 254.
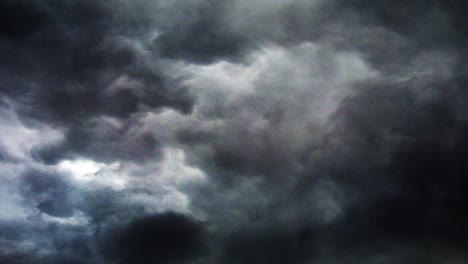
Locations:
column 296, row 131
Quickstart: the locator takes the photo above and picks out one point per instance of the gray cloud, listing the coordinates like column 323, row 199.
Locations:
column 50, row 192
column 233, row 132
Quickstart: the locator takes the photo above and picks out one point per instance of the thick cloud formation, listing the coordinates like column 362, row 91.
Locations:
column 165, row 238
column 296, row 131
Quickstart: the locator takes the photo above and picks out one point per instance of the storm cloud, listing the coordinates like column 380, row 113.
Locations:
column 200, row 131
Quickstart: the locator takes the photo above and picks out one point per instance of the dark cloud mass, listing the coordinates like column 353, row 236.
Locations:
column 206, row 132
column 165, row 238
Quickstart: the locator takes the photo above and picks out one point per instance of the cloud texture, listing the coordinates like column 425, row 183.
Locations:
column 200, row 131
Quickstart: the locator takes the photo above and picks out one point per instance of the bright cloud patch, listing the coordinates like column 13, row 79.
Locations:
column 90, row 172
column 78, row 219
column 17, row 139
column 165, row 184
column 175, row 170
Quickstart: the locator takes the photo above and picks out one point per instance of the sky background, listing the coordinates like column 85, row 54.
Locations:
column 233, row 132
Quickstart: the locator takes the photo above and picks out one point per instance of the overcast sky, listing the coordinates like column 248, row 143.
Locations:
column 233, row 132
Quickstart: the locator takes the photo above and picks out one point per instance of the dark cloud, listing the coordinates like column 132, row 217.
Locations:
column 77, row 64
column 21, row 18
column 281, row 132
column 50, row 191
column 83, row 56
column 59, row 244
column 271, row 245
column 202, row 36
column 50, row 154
column 400, row 156
column 103, row 141
column 426, row 20
column 104, row 205
column 164, row 238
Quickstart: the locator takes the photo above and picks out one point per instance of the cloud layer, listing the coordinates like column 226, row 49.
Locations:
column 295, row 131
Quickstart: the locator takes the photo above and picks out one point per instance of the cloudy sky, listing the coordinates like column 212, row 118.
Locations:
column 233, row 132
